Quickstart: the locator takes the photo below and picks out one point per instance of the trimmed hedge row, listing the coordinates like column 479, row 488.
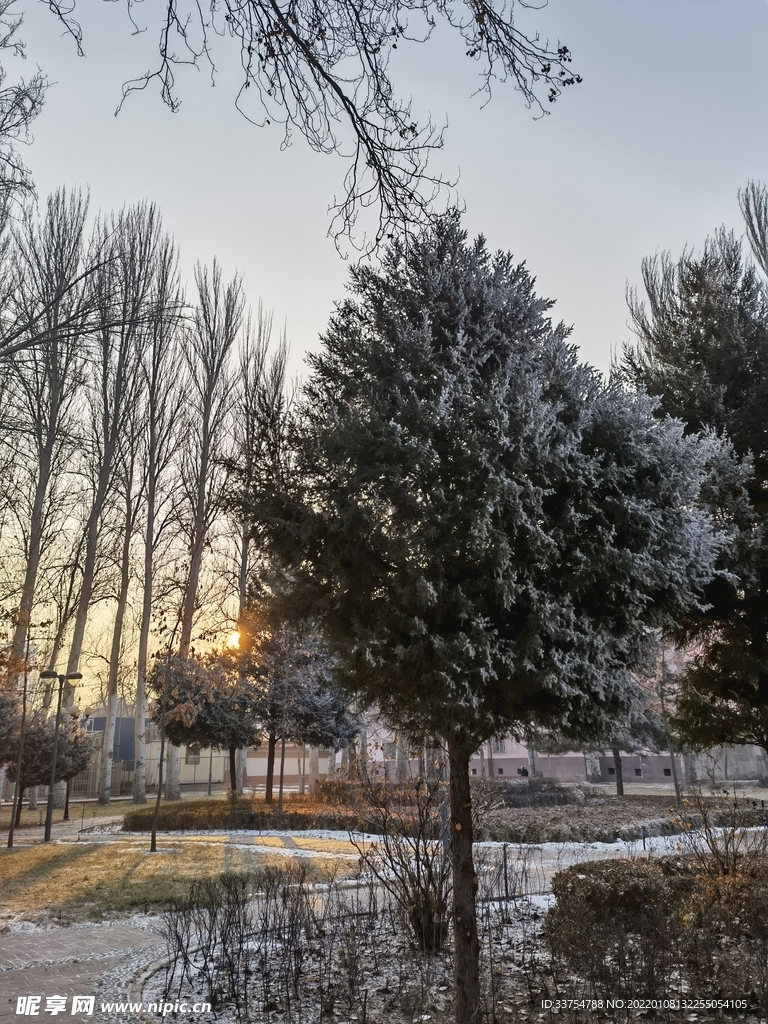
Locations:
column 206, row 815
column 645, row 928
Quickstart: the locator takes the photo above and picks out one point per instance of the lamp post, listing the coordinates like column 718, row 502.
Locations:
column 70, row 677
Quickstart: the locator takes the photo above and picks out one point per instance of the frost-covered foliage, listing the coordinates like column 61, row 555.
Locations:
column 486, row 530
column 298, row 699
column 703, row 348
column 204, row 704
column 10, row 716
column 73, row 752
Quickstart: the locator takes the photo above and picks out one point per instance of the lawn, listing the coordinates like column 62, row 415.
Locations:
column 78, row 812
column 79, row 881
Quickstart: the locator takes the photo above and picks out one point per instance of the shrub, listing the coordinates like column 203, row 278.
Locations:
column 204, row 815
column 634, row 928
column 611, row 925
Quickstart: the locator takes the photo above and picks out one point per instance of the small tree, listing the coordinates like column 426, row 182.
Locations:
column 73, row 754
column 298, row 698
column 207, row 706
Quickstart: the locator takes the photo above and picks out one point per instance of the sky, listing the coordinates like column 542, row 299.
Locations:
column 647, row 154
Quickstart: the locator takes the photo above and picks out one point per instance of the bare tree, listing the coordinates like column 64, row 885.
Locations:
column 20, row 103
column 161, row 373
column 123, row 284
column 49, row 256
column 322, row 68
column 259, row 418
column 207, row 346
column 130, row 487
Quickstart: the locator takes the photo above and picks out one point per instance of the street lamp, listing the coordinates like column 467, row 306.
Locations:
column 70, row 677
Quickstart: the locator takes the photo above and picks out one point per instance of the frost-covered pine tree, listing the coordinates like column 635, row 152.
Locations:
column 298, row 697
column 485, row 531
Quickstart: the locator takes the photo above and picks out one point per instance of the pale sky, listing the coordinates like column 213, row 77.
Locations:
column 647, row 154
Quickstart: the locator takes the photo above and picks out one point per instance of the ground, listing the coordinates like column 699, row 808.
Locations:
column 104, row 885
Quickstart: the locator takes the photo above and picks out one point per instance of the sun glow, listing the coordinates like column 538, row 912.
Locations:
column 233, row 640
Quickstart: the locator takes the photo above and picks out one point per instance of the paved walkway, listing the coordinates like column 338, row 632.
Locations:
column 96, row 960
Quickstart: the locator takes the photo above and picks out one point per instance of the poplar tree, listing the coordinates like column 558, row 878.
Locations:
column 483, row 530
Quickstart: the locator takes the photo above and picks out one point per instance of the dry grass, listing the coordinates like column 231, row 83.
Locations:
column 85, row 812
column 88, row 881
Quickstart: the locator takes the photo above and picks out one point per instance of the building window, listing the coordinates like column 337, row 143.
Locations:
column 192, row 755
column 474, row 771
column 501, row 771
column 498, row 746
column 638, row 771
column 667, row 771
column 611, row 771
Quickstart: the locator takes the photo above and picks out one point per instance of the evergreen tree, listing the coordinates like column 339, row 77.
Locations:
column 484, row 532
column 73, row 752
column 10, row 720
column 702, row 347
column 298, row 697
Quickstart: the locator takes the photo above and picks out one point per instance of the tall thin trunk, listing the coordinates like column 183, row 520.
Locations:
column 465, row 938
column 618, row 770
column 401, row 763
column 282, row 774
column 26, row 599
column 233, row 771
column 18, row 791
column 675, row 779
column 271, row 746
column 140, row 728
column 117, row 636
column 314, row 769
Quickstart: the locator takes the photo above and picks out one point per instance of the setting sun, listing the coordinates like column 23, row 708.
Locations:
column 233, row 640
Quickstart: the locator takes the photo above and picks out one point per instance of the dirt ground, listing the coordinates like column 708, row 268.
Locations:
column 605, row 817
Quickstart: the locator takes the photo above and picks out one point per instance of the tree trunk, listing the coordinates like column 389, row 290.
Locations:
column 465, row 938
column 314, row 769
column 117, row 635
column 18, row 810
column 172, row 785
column 689, row 767
column 675, row 779
column 242, row 770
column 591, row 766
column 233, row 771
column 619, row 774
column 533, row 763
column 282, row 774
column 363, row 764
column 140, row 727
column 401, row 764
column 271, row 745
column 34, row 544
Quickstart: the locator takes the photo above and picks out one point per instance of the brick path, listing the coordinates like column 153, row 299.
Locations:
column 70, row 962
